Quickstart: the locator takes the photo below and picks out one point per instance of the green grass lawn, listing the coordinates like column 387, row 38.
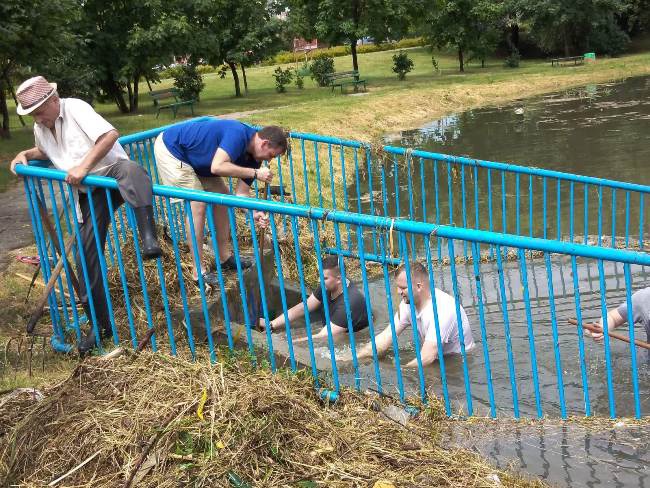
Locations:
column 218, row 96
column 301, row 109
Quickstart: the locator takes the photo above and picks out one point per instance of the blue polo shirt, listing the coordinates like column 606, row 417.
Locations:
column 196, row 143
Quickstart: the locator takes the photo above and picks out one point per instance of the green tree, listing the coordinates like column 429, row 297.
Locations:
column 127, row 38
column 347, row 21
column 467, row 26
column 568, row 25
column 30, row 34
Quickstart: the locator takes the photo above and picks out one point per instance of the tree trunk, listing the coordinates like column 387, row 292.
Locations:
column 113, row 89
column 134, row 97
column 566, row 43
column 353, row 51
column 461, row 62
column 13, row 94
column 243, row 72
column 148, row 83
column 4, row 131
column 235, row 76
column 514, row 37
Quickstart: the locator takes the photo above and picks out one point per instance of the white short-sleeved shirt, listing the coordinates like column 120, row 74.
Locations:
column 447, row 319
column 77, row 129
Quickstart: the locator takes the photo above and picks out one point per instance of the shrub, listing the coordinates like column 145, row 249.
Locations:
column 286, row 57
column 189, row 82
column 512, row 61
column 402, row 64
column 282, row 77
column 300, row 80
column 321, row 67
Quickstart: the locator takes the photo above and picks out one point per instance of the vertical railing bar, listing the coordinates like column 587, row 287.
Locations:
column 414, row 324
column 138, row 255
column 283, row 295
column 391, row 319
column 222, row 286
column 61, row 246
column 346, row 202
column 627, row 219
column 608, row 357
column 84, row 269
column 544, row 209
column 523, row 274
column 517, row 205
column 559, row 210
column 464, row 202
column 318, row 179
column 613, row 217
column 476, row 258
column 571, row 211
column 600, row 215
column 326, row 312
column 556, row 339
column 303, row 296
column 248, row 320
column 366, row 292
column 348, row 316
column 102, row 267
column 437, row 186
column 586, row 213
column 120, row 264
column 630, row 327
column 506, row 327
column 461, row 334
column 580, row 333
column 304, row 171
column 262, row 286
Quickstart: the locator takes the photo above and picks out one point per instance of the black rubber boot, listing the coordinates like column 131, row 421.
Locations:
column 88, row 342
column 147, row 230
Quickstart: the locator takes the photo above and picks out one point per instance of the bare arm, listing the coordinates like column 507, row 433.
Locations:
column 294, row 312
column 614, row 320
column 24, row 156
column 383, row 341
column 428, row 354
column 102, row 146
column 223, row 166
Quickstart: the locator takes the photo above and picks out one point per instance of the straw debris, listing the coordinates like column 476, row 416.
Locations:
column 154, row 420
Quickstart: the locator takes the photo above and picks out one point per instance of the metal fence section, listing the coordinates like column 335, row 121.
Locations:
column 517, row 281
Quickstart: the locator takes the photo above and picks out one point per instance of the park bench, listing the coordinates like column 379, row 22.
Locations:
column 344, row 78
column 564, row 61
column 160, row 98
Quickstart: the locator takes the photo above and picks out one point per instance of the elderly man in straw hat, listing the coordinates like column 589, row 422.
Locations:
column 79, row 141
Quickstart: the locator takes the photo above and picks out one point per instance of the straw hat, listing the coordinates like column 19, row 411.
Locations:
column 33, row 93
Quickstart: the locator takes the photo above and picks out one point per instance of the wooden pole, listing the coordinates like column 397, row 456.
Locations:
column 621, row 337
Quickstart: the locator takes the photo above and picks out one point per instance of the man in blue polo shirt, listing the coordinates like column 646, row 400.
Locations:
column 196, row 154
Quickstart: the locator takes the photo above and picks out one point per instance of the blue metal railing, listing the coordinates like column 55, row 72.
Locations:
column 527, row 361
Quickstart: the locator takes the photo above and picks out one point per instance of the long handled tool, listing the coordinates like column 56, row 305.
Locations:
column 599, row 330
column 56, row 272
column 38, row 310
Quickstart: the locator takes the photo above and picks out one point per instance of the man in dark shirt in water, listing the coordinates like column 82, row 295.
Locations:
column 333, row 283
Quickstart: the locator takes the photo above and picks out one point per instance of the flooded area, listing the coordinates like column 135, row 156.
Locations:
column 596, row 130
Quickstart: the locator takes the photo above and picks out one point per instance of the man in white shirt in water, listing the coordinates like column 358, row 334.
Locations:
column 424, row 316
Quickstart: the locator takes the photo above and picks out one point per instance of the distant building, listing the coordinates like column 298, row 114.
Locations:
column 303, row 45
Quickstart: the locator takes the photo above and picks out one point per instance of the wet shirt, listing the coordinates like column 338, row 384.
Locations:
column 447, row 319
column 640, row 309
column 196, row 143
column 336, row 307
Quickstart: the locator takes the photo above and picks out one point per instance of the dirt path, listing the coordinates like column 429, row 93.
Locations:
column 15, row 225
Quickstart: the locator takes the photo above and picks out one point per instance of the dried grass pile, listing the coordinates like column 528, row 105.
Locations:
column 155, row 420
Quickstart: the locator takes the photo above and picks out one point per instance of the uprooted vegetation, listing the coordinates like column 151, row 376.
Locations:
column 156, row 420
